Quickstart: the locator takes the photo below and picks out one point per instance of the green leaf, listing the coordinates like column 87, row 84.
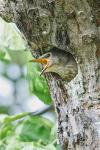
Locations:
column 11, row 143
column 6, row 130
column 2, row 54
column 32, row 133
column 4, row 110
column 19, row 57
column 35, row 129
column 38, row 84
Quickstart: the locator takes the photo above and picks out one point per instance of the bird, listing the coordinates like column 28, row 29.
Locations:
column 60, row 62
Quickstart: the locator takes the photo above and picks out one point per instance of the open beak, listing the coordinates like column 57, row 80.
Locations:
column 42, row 61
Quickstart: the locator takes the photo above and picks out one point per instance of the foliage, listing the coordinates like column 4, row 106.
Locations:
column 14, row 49
column 2, row 54
column 32, row 133
column 38, row 84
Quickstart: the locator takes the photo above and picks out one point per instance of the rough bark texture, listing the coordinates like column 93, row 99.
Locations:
column 73, row 25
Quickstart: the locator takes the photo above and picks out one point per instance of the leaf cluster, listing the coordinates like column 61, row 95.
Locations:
column 32, row 133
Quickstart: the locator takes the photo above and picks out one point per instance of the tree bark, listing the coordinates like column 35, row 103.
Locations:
column 72, row 25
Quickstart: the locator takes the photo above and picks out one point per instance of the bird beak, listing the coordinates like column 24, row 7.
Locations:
column 42, row 61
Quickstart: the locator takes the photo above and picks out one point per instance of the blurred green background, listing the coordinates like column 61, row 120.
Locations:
column 22, row 89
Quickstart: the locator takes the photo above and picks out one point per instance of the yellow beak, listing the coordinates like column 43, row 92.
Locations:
column 40, row 60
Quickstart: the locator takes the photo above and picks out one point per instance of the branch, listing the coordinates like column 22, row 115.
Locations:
column 25, row 114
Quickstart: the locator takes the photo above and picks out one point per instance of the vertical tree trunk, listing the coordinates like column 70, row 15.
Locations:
column 73, row 25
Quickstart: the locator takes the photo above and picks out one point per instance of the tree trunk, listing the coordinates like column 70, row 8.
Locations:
column 72, row 25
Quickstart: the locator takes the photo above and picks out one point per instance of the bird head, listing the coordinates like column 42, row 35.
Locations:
column 60, row 62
